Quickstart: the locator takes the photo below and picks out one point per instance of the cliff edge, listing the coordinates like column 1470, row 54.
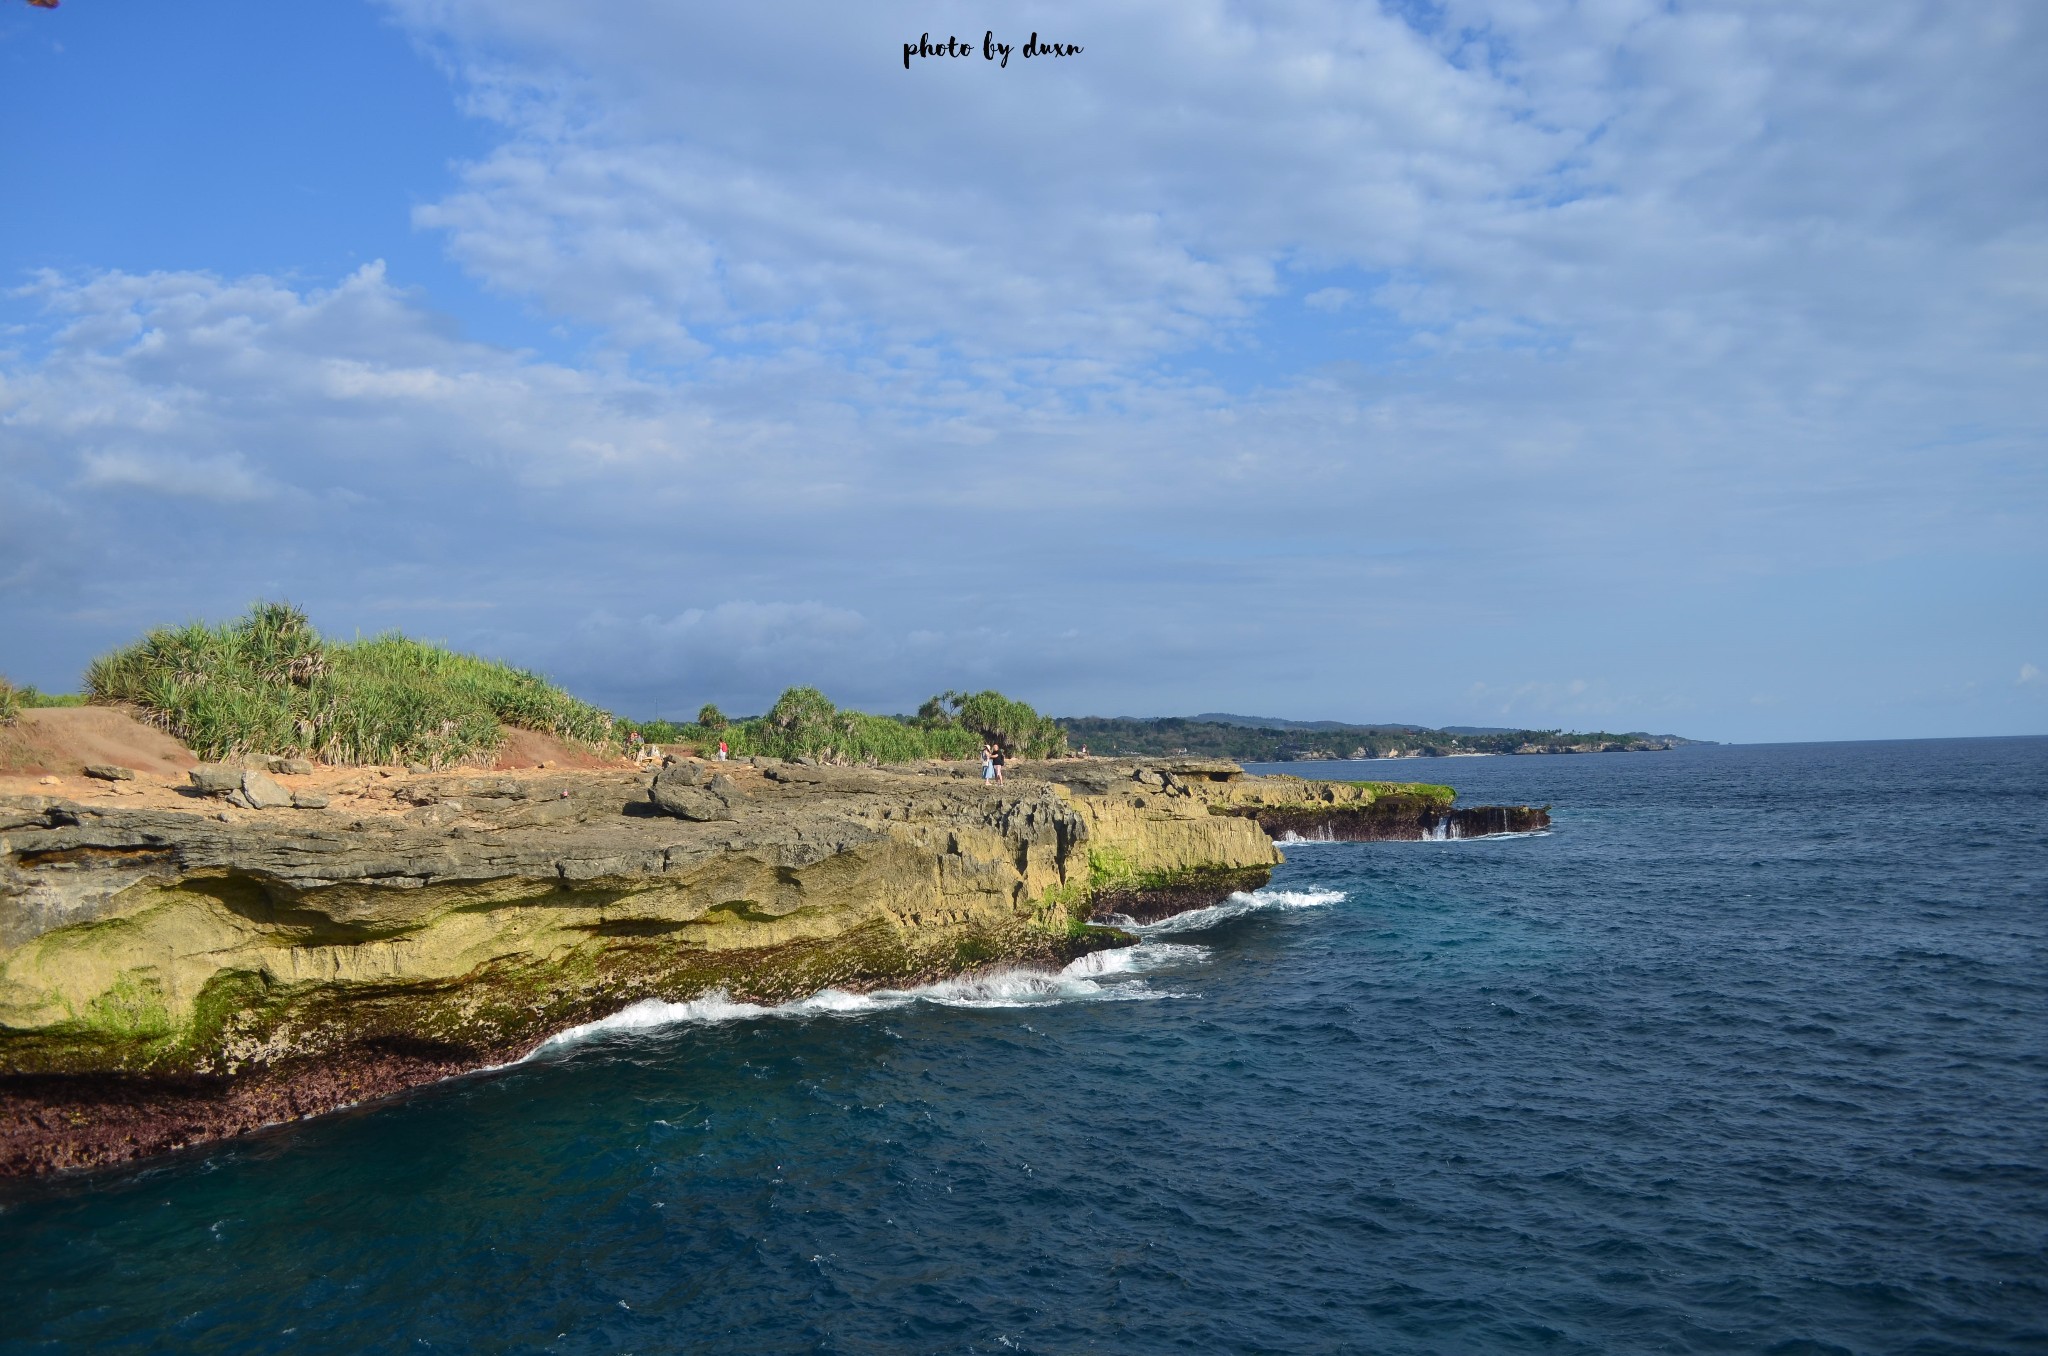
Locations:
column 178, row 966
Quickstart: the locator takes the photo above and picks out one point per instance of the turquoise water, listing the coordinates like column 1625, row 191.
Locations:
column 1746, row 1055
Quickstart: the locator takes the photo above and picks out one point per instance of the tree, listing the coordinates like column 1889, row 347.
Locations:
column 711, row 718
column 798, row 707
column 997, row 719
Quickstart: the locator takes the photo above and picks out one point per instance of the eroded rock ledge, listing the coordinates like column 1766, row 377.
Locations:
column 174, row 976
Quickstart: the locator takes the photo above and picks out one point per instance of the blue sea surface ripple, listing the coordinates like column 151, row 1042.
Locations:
column 1746, row 1055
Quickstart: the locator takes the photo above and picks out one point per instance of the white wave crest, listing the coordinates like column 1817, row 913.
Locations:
column 1292, row 839
column 1130, row 960
column 1238, row 905
column 1099, row 977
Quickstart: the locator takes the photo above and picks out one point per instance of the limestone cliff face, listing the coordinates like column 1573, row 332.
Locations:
column 168, row 976
column 1293, row 807
column 245, row 966
column 116, row 923
column 1282, row 807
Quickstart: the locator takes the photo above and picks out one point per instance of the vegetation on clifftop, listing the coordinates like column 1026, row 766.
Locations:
column 269, row 683
column 993, row 717
column 14, row 700
column 804, row 723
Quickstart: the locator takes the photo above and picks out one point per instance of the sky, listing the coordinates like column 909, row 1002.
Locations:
column 1612, row 365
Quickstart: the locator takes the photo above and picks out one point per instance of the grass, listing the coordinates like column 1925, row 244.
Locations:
column 268, row 683
column 1063, row 909
column 1109, row 866
column 14, row 700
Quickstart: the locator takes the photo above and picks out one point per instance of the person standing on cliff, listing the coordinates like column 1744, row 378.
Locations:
column 988, row 762
column 996, row 758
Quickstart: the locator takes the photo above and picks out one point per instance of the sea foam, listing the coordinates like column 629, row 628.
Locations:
column 1237, row 906
column 1292, row 839
column 1099, row 977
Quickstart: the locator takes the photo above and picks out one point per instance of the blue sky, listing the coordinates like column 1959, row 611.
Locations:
column 1619, row 365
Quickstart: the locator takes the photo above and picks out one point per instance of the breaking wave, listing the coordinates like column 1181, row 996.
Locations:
column 1293, row 839
column 1099, row 977
column 1114, row 976
column 1237, row 906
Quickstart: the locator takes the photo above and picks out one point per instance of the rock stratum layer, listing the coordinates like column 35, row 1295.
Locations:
column 169, row 976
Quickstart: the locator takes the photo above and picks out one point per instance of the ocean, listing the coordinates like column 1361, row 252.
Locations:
column 1749, row 1053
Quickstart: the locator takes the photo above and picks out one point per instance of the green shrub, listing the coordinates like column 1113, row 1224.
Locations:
column 14, row 700
column 268, row 683
column 662, row 731
column 994, row 718
column 804, row 723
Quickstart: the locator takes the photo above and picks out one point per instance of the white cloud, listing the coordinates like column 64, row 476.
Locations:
column 1767, row 192
column 1673, row 255
column 141, row 376
column 1669, row 312
column 2028, row 674
column 227, row 478
column 1135, row 199
column 357, row 398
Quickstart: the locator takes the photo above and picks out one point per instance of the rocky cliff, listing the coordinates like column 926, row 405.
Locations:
column 169, row 975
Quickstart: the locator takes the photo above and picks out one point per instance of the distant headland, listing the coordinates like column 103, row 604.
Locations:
column 1257, row 739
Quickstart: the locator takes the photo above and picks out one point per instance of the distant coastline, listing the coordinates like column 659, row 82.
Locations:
column 1271, row 740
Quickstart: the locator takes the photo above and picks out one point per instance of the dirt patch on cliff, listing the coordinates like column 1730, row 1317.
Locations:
column 528, row 748
column 46, row 752
column 63, row 739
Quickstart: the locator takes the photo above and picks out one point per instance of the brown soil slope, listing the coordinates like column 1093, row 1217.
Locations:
column 529, row 748
column 63, row 739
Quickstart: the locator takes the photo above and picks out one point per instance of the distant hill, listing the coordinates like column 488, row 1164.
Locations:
column 1275, row 723
column 1260, row 739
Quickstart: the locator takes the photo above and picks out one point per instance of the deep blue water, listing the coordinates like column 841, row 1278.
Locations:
column 1749, row 1054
